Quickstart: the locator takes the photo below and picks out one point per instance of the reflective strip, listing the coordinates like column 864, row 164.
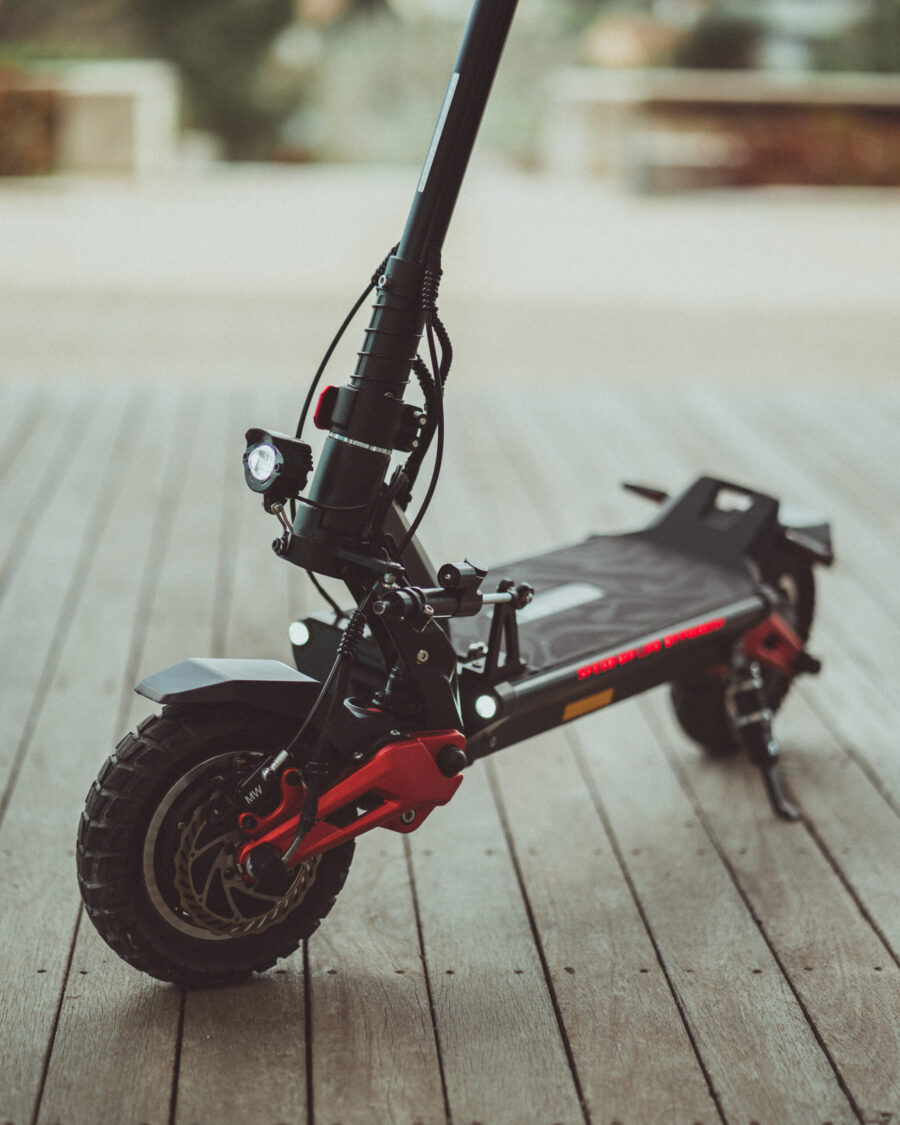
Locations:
column 438, row 130
column 359, row 444
column 585, row 706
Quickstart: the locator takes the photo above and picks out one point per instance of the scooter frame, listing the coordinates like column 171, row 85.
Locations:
column 396, row 748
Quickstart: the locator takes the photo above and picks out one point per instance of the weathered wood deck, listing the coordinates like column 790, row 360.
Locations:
column 602, row 927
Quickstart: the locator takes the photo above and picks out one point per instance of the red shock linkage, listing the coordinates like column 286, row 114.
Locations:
column 405, row 779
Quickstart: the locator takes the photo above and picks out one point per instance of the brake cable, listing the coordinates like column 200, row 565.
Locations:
column 315, row 769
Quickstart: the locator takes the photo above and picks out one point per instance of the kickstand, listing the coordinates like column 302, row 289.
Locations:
column 780, row 803
column 752, row 718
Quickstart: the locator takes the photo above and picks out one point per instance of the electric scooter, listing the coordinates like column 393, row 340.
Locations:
column 217, row 836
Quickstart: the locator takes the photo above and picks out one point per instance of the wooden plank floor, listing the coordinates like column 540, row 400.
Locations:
column 602, row 927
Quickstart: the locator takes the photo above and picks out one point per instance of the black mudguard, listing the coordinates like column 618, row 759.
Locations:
column 806, row 534
column 265, row 684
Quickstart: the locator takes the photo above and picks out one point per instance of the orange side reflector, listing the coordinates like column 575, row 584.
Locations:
column 591, row 703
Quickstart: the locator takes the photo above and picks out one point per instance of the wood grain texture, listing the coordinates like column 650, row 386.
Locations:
column 40, row 900
column 373, row 1042
column 243, row 1052
column 55, row 428
column 177, row 613
column 115, row 1045
column 38, row 569
column 846, row 979
column 503, row 1055
column 613, row 995
column 87, row 609
column 761, row 1055
column 725, row 923
column 114, row 1068
column 858, row 829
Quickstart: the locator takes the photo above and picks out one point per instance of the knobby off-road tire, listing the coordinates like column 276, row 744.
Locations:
column 699, row 701
column 150, row 816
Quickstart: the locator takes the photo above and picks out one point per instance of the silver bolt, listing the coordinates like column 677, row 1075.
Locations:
column 409, row 816
column 422, row 656
column 358, row 756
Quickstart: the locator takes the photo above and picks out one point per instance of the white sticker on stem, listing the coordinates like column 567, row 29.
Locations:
column 438, row 130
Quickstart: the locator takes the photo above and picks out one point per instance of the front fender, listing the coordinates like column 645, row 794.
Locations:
column 266, row 684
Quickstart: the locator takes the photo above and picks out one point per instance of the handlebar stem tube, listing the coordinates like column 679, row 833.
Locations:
column 353, row 466
column 457, row 127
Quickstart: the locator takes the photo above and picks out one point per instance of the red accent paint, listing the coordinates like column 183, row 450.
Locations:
column 650, row 648
column 325, row 408
column 404, row 775
column 292, row 798
column 774, row 644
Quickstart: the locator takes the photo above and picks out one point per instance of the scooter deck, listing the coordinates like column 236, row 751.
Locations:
column 604, row 594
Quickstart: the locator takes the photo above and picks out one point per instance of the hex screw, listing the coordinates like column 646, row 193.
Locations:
column 422, row 656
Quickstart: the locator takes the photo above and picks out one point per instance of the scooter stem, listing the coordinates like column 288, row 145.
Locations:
column 364, row 433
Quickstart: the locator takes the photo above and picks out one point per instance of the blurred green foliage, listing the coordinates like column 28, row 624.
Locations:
column 242, row 84
column 871, row 44
column 721, row 40
column 235, row 85
column 221, row 49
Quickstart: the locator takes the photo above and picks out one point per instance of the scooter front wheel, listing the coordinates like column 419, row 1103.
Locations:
column 156, row 848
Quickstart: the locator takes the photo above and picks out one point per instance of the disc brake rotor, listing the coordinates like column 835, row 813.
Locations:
column 212, row 892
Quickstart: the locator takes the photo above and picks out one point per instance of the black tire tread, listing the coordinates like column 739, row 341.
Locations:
column 110, row 835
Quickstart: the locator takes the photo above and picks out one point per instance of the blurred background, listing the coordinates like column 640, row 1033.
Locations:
column 196, row 188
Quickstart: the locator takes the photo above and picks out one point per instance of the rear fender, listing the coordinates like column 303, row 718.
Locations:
column 806, row 534
column 267, row 685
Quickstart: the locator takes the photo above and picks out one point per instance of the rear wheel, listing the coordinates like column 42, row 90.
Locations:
column 156, row 848
column 699, row 701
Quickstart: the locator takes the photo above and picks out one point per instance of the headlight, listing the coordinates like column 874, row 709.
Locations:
column 276, row 465
column 261, row 462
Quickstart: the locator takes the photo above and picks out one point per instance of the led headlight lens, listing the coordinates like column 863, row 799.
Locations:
column 261, row 462
column 276, row 465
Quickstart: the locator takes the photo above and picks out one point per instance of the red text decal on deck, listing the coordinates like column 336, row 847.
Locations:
column 651, row 647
